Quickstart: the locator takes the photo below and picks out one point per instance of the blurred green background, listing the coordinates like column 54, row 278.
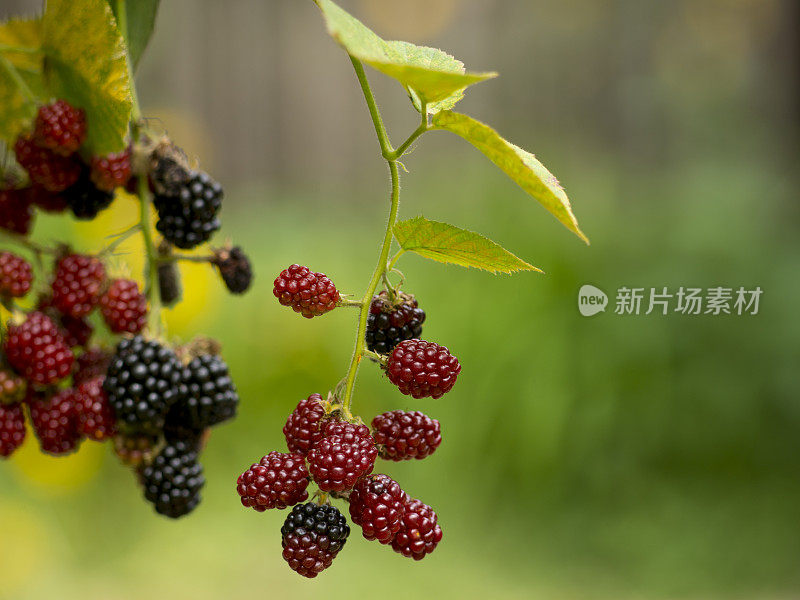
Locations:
column 646, row 457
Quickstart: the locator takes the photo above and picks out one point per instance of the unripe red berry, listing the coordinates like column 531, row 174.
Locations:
column 302, row 429
column 124, row 307
column 422, row 369
column 404, row 435
column 60, row 127
column 278, row 480
column 15, row 275
column 77, row 284
column 308, row 293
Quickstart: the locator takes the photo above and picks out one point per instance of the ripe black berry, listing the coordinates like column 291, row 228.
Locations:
column 85, row 199
column 312, row 537
column 143, row 380
column 169, row 283
column 172, row 482
column 190, row 218
column 234, row 268
column 390, row 323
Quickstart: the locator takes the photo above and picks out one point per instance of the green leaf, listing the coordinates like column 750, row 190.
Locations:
column 20, row 51
column 521, row 166
column 86, row 64
column 449, row 244
column 139, row 20
column 429, row 75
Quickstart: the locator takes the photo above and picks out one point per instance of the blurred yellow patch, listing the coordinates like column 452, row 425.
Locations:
column 412, row 20
column 24, row 548
column 57, row 474
column 201, row 295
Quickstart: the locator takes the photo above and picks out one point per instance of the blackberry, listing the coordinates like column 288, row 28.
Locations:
column 312, row 536
column 308, row 293
column 302, row 429
column 55, row 421
column 37, row 350
column 169, row 283
column 377, row 504
column 344, row 455
column 169, row 172
column 84, row 198
column 60, row 127
column 234, row 268
column 124, row 307
column 405, row 435
column 422, row 369
column 12, row 387
column 16, row 214
column 172, row 482
column 111, row 171
column 190, row 218
column 96, row 418
column 92, row 363
column 12, row 428
column 16, row 275
column 419, row 532
column 278, row 480
column 76, row 332
column 53, row 172
column 211, row 395
column 77, row 284
column 390, row 323
column 143, row 380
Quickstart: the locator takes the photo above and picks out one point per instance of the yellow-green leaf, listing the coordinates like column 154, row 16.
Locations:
column 430, row 75
column 139, row 20
column 20, row 54
column 521, row 166
column 449, row 244
column 86, row 64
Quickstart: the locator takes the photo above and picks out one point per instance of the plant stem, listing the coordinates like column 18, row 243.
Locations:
column 383, row 139
column 18, row 80
column 396, row 257
column 412, row 138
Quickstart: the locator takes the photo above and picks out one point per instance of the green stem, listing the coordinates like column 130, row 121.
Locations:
column 18, row 80
column 394, row 260
column 150, row 268
column 380, row 129
column 185, row 257
column 413, row 137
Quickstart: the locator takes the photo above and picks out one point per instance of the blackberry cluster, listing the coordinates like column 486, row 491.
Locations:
column 211, row 397
column 172, row 482
column 390, row 323
column 144, row 379
column 189, row 218
column 312, row 537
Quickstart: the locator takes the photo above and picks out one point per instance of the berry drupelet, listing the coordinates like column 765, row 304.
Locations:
column 422, row 369
column 390, row 323
column 404, row 435
column 312, row 537
column 278, row 480
column 172, row 482
column 143, row 380
column 308, row 293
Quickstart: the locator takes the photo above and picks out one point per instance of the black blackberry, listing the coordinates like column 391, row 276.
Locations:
column 190, row 218
column 211, row 395
column 143, row 380
column 235, row 268
column 312, row 536
column 169, row 283
column 84, row 199
column 172, row 482
column 390, row 323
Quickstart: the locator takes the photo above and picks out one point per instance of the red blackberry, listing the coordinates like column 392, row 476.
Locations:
column 111, row 171
column 16, row 214
column 15, row 275
column 211, row 399
column 189, row 218
column 85, row 199
column 390, row 323
column 344, row 455
column 234, row 268
column 302, row 429
column 377, row 504
column 55, row 421
column 92, row 363
column 312, row 536
column 77, row 284
column 51, row 202
column 124, row 307
column 422, row 369
column 96, row 418
column 12, row 428
column 278, row 480
column 143, row 380
column 12, row 387
column 60, row 127
column 404, row 435
column 172, row 482
column 45, row 168
column 419, row 531
column 37, row 351
column 308, row 293
column 76, row 332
